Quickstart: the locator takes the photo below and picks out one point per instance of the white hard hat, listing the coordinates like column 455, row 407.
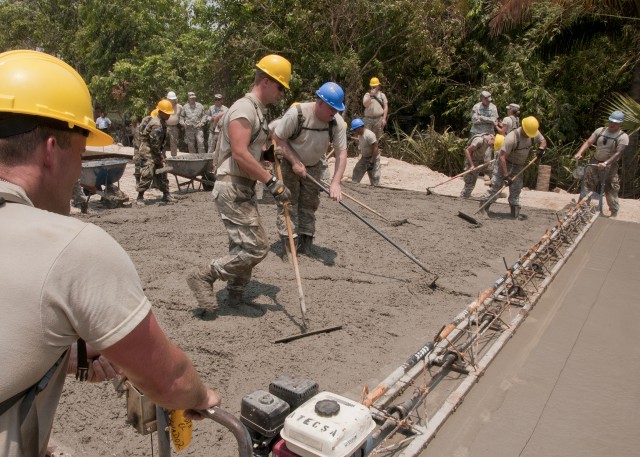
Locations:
column 171, row 95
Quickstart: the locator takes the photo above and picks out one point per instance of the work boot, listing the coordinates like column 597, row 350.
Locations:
column 140, row 202
column 167, row 198
column 515, row 211
column 201, row 284
column 304, row 244
column 235, row 298
column 614, row 214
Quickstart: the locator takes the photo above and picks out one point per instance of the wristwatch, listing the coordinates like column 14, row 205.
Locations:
column 273, row 180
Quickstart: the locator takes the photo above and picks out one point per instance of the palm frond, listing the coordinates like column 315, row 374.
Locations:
column 629, row 107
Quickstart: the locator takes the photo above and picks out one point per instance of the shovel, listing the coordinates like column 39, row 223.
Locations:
column 471, row 170
column 491, row 199
column 434, row 277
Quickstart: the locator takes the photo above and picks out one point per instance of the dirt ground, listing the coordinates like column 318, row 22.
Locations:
column 353, row 278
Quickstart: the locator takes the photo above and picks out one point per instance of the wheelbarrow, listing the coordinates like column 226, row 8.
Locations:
column 102, row 177
column 190, row 167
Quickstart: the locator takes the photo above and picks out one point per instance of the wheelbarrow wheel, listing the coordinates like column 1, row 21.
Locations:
column 209, row 176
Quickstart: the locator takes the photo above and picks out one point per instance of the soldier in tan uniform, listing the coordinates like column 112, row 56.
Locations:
column 192, row 118
column 369, row 161
column 512, row 158
column 376, row 107
column 173, row 124
column 476, row 155
column 610, row 143
column 243, row 135
column 304, row 134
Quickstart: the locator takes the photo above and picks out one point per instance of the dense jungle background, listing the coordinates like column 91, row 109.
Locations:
column 568, row 62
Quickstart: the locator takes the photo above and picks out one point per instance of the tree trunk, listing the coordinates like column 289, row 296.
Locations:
column 630, row 157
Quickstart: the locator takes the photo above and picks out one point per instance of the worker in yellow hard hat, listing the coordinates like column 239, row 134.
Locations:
column 151, row 154
column 71, row 299
column 376, row 108
column 243, row 134
column 511, row 160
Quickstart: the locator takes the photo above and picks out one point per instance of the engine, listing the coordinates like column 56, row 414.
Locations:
column 294, row 419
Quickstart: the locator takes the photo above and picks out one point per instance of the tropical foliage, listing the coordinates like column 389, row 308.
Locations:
column 568, row 62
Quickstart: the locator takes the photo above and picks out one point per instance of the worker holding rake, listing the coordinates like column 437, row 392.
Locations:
column 240, row 151
column 477, row 158
column 610, row 143
column 511, row 162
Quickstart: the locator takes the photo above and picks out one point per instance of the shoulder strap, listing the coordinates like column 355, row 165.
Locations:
column 473, row 138
column 256, row 134
column 378, row 100
column 301, row 126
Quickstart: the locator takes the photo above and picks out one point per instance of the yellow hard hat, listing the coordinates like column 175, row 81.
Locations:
column 165, row 106
column 530, row 126
column 154, row 113
column 374, row 82
column 294, row 104
column 37, row 84
column 277, row 67
column 498, row 142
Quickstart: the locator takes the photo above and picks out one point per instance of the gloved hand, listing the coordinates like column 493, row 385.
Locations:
column 279, row 190
column 540, row 153
column 508, row 181
column 370, row 166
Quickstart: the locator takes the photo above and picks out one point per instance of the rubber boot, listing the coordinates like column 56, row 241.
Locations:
column 515, row 211
column 304, row 246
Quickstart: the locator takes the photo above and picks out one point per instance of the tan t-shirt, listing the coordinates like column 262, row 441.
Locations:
column 376, row 107
column 61, row 279
column 251, row 109
column 367, row 140
column 517, row 145
column 608, row 143
column 313, row 141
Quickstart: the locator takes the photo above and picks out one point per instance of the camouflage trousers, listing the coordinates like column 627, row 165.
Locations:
column 497, row 181
column 148, row 164
column 305, row 200
column 470, row 179
column 195, row 140
column 375, row 125
column 173, row 137
column 360, row 169
column 592, row 182
column 248, row 242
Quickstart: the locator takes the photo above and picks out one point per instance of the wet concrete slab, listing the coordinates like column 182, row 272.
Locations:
column 567, row 384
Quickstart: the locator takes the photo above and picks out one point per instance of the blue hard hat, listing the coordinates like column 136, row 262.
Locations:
column 332, row 94
column 617, row 117
column 356, row 123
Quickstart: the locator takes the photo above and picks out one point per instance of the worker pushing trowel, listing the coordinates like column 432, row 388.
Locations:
column 510, row 166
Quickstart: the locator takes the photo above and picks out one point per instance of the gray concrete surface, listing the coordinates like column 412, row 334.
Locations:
column 567, row 384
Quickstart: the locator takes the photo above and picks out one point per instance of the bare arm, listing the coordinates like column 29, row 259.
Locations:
column 292, row 156
column 374, row 152
column 335, row 190
column 366, row 101
column 586, row 145
column 468, row 152
column 160, row 369
column 239, row 138
column 503, row 162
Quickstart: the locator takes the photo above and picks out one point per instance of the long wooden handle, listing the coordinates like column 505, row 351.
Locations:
column 344, row 194
column 292, row 247
column 470, row 170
